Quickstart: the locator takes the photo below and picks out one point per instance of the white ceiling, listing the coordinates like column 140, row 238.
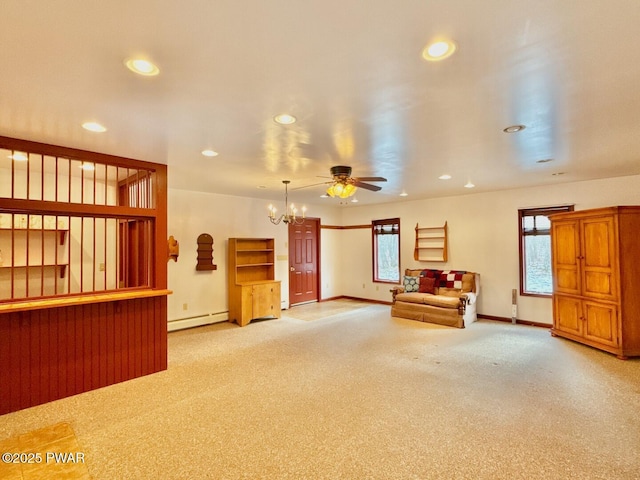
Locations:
column 351, row 72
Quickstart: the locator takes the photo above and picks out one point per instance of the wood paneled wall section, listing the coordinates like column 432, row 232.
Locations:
column 53, row 353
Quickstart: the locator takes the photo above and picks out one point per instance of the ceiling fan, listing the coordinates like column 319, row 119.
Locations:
column 343, row 185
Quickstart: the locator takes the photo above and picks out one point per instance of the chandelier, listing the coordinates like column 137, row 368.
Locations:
column 290, row 210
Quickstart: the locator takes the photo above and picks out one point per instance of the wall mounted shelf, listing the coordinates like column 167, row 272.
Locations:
column 431, row 244
column 39, row 231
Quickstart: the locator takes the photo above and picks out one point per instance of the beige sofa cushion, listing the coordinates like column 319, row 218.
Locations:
column 428, row 299
column 449, row 292
column 411, row 297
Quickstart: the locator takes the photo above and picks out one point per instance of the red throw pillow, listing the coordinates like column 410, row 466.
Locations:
column 427, row 285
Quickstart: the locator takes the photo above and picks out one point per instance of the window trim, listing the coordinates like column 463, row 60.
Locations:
column 374, row 250
column 529, row 212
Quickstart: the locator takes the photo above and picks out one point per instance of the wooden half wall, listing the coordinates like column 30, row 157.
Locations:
column 54, row 344
column 51, row 353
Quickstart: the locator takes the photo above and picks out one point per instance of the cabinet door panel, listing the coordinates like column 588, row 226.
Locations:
column 599, row 258
column 601, row 323
column 266, row 300
column 565, row 251
column 568, row 314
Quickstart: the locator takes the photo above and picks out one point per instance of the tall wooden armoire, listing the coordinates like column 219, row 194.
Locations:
column 596, row 278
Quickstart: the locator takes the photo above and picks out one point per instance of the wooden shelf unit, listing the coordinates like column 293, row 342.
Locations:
column 253, row 290
column 431, row 244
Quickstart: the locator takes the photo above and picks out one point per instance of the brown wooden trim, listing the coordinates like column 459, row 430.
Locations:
column 344, row 227
column 159, row 245
column 44, row 207
column 73, row 153
column 518, row 321
column 80, row 300
column 539, row 295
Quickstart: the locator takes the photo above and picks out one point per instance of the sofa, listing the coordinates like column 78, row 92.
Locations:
column 444, row 297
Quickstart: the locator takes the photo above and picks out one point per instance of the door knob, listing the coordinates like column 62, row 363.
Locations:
column 293, row 269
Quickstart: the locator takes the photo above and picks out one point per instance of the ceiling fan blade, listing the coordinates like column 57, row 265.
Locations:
column 312, row 185
column 367, row 186
column 372, row 179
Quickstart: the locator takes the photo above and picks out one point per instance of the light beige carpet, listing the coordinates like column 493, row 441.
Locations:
column 360, row 395
column 324, row 310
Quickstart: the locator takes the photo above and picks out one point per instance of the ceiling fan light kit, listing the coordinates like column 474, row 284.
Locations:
column 343, row 185
column 342, row 190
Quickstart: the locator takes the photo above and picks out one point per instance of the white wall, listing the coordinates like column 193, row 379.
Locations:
column 222, row 216
column 483, row 237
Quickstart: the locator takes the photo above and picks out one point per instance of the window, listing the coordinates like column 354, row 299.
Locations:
column 535, row 249
column 386, row 250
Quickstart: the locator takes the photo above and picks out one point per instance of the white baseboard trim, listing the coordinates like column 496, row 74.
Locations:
column 190, row 322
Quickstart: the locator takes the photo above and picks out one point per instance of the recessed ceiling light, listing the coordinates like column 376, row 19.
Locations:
column 19, row 157
column 545, row 160
column 446, row 176
column 439, row 50
column 514, row 128
column 469, row 185
column 404, row 194
column 354, row 200
column 88, row 166
column 284, row 119
column 94, row 127
column 209, row 153
column 142, row 67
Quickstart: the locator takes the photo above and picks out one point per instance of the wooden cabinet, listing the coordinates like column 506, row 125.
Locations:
column 596, row 273
column 253, row 290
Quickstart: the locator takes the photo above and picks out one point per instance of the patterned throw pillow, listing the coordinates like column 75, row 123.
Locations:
column 427, row 285
column 451, row 279
column 431, row 273
column 411, row 284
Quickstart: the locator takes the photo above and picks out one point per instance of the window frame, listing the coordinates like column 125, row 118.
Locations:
column 378, row 225
column 522, row 234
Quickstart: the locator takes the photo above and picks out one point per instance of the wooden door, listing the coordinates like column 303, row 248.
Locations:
column 566, row 253
column 599, row 258
column 303, row 261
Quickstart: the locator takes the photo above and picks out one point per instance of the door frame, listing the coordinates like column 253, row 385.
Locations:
column 316, row 229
